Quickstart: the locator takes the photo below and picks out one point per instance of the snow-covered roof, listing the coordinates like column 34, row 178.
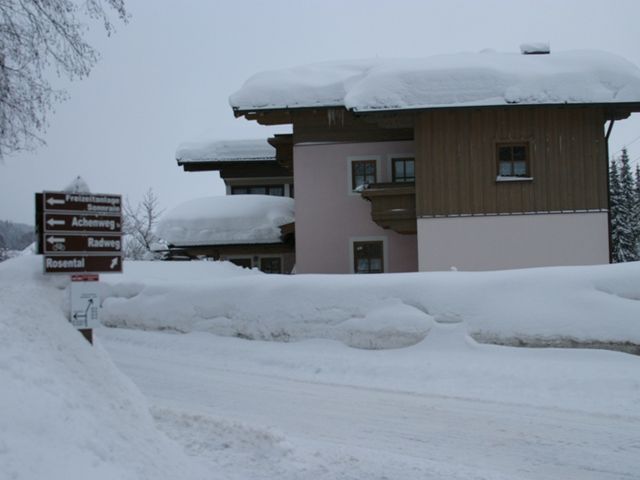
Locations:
column 487, row 78
column 225, row 151
column 227, row 220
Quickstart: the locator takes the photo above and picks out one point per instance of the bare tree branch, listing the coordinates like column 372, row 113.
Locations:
column 35, row 36
column 139, row 226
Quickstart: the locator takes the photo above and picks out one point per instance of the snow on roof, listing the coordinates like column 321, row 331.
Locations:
column 225, row 151
column 227, row 220
column 487, row 78
column 535, row 48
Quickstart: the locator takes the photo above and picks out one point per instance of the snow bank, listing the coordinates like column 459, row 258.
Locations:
column 67, row 412
column 558, row 305
column 225, row 151
column 455, row 80
column 223, row 220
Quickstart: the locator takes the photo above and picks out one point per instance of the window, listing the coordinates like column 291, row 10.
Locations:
column 271, row 265
column 513, row 160
column 275, row 190
column 363, row 172
column 403, row 170
column 368, row 257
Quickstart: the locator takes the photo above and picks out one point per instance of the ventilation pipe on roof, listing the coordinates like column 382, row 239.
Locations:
column 536, row 48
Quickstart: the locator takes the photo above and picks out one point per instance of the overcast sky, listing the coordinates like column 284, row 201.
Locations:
column 165, row 77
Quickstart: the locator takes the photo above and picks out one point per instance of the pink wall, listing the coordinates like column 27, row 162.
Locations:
column 328, row 216
column 513, row 241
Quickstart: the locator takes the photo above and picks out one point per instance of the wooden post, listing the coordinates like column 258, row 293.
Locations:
column 87, row 333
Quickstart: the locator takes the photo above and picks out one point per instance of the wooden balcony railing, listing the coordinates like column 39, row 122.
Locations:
column 393, row 205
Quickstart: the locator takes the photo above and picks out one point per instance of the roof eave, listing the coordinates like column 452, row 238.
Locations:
column 259, row 114
column 218, row 164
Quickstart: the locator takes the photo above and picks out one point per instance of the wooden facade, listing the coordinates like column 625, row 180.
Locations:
column 341, row 125
column 456, row 164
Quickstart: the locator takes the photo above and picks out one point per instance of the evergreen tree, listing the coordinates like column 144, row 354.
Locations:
column 637, row 211
column 614, row 210
column 626, row 209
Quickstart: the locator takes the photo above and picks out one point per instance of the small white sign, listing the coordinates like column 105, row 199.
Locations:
column 85, row 304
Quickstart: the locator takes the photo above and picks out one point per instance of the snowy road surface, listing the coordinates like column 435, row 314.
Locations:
column 263, row 423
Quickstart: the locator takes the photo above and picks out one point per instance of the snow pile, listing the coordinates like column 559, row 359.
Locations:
column 225, row 151
column 543, row 306
column 67, row 412
column 223, row 220
column 465, row 79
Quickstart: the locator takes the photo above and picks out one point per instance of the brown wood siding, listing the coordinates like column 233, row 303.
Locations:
column 456, row 165
column 339, row 125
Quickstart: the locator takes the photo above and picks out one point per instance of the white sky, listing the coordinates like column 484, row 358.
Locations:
column 165, row 77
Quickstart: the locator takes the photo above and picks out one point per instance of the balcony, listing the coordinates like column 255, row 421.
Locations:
column 393, row 205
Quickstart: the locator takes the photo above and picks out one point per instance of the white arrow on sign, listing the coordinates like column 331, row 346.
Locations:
column 53, row 240
column 53, row 222
column 55, row 201
column 114, row 263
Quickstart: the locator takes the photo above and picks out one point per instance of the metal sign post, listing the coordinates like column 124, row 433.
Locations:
column 80, row 234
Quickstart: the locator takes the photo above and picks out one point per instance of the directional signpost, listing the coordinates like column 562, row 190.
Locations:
column 65, row 242
column 65, row 222
column 80, row 234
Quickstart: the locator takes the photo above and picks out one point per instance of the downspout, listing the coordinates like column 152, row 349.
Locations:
column 606, row 143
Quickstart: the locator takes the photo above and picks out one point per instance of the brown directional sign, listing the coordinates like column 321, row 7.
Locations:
column 82, row 202
column 82, row 264
column 70, row 222
column 79, row 232
column 66, row 243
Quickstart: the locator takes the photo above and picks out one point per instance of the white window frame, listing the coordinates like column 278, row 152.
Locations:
column 359, row 158
column 378, row 238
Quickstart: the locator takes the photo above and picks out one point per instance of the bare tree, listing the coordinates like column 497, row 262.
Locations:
column 139, row 227
column 37, row 36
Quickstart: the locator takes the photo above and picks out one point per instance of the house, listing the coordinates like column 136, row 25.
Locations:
column 253, row 225
column 477, row 161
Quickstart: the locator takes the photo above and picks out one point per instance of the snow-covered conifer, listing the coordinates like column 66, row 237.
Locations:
column 614, row 211
column 636, row 214
column 624, row 226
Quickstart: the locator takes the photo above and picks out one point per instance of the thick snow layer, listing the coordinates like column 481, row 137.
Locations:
column 554, row 306
column 446, row 408
column 224, row 220
column 456, row 80
column 67, row 412
column 225, row 151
